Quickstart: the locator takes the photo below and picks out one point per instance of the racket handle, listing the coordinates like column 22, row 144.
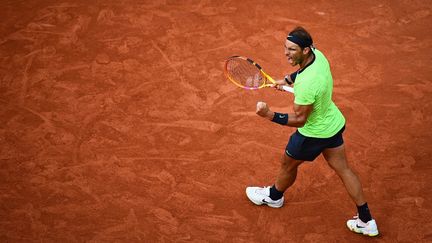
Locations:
column 288, row 89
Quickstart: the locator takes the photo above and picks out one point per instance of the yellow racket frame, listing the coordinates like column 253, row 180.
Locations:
column 265, row 75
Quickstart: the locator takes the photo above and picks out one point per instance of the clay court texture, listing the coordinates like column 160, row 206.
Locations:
column 118, row 125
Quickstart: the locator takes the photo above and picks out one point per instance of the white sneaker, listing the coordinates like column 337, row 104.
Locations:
column 261, row 195
column 370, row 228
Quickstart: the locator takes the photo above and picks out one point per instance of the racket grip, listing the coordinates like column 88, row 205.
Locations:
column 288, row 89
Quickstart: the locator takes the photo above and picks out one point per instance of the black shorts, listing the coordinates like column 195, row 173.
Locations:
column 307, row 148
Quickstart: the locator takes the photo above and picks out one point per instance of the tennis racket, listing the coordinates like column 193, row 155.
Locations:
column 247, row 74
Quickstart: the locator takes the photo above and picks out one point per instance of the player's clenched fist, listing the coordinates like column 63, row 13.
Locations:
column 262, row 109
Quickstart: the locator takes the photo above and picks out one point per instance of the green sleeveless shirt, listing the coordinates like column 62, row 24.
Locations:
column 314, row 85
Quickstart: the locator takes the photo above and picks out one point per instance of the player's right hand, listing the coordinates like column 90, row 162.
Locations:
column 262, row 109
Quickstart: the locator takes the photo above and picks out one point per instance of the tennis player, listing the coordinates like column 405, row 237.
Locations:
column 320, row 126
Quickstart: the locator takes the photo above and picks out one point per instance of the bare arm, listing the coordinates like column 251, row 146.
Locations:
column 296, row 119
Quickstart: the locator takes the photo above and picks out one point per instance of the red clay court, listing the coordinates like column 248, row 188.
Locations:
column 118, row 125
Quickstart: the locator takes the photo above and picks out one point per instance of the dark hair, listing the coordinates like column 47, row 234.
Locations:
column 301, row 37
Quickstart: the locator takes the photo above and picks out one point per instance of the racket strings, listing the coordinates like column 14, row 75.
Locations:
column 244, row 73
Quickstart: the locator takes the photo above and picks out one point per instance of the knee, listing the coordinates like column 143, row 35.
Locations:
column 340, row 167
column 345, row 172
column 289, row 163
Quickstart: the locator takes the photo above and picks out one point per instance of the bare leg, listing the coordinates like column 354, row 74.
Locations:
column 287, row 173
column 336, row 158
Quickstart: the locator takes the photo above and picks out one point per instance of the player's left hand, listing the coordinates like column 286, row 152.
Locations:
column 279, row 87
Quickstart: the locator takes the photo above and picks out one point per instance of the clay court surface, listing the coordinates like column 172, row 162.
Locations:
column 118, row 125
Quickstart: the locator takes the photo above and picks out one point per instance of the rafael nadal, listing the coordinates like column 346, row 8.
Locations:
column 320, row 126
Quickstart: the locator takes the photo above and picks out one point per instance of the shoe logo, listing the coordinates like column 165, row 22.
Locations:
column 360, row 227
column 264, row 201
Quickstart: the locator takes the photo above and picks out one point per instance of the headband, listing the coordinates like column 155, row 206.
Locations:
column 299, row 41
